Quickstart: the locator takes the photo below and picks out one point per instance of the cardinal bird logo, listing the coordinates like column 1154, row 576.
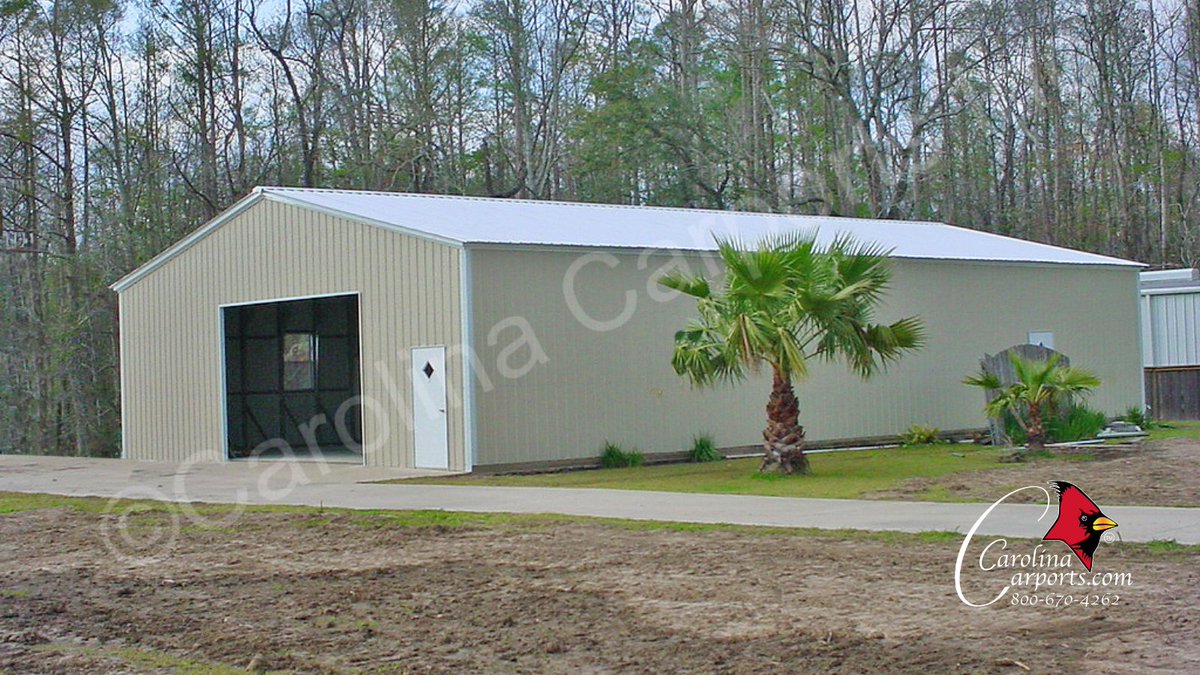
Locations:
column 1080, row 522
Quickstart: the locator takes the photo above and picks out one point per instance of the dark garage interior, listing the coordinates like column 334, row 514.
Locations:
column 292, row 379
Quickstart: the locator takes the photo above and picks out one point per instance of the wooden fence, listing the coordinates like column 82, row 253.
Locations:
column 1174, row 393
column 1001, row 366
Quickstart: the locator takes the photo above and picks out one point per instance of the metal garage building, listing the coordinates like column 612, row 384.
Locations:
column 1171, row 342
column 345, row 324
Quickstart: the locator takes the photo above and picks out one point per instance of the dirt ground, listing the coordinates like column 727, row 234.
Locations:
column 348, row 592
column 1158, row 473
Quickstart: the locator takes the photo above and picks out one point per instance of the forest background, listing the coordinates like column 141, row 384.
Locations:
column 125, row 125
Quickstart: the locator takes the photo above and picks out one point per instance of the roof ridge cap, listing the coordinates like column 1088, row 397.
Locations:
column 599, row 205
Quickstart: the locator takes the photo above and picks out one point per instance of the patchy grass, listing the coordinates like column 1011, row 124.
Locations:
column 838, row 475
column 1159, row 549
column 555, row 597
column 145, row 660
column 1164, row 548
column 940, row 493
column 312, row 517
column 17, row 502
column 1047, row 454
column 1172, row 430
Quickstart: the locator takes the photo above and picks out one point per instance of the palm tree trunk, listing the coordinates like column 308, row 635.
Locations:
column 783, row 439
column 1037, row 429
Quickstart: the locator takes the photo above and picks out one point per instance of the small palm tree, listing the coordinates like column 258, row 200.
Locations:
column 782, row 304
column 1039, row 387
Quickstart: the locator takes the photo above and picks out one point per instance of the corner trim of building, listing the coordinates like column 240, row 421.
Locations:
column 1143, row 305
column 122, row 377
column 466, row 354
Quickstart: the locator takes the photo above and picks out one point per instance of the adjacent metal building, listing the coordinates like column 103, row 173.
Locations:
column 1171, row 342
column 454, row 332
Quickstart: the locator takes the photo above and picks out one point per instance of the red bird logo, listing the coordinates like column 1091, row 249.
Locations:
column 1079, row 523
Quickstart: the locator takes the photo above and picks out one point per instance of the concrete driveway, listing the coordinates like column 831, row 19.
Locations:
column 344, row 486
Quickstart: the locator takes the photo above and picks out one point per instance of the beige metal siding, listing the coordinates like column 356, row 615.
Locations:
column 618, row 385
column 409, row 291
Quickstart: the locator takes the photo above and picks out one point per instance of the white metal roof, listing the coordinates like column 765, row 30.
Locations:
column 488, row 221
column 479, row 220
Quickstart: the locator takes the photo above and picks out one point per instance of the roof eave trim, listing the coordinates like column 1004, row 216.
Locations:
column 187, row 242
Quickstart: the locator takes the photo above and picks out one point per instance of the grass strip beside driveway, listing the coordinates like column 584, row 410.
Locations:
column 919, row 472
column 835, row 475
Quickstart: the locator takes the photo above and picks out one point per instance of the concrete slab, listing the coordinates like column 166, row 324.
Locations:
column 342, row 486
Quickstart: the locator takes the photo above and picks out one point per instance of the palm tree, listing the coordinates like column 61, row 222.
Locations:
column 1039, row 386
column 782, row 304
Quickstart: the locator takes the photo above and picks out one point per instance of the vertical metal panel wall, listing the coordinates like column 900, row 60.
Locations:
column 1171, row 352
column 171, row 339
column 618, row 385
column 1170, row 329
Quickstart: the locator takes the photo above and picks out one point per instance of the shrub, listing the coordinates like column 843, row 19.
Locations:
column 612, row 456
column 1012, row 429
column 704, row 449
column 1078, row 423
column 919, row 435
column 1136, row 414
column 1039, row 390
column 615, row 457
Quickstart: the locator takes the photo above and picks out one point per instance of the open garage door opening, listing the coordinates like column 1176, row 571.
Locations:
column 292, row 379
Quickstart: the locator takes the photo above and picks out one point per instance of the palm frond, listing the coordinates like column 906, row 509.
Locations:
column 1076, row 379
column 786, row 300
column 697, row 287
column 983, row 380
column 700, row 358
column 1037, row 383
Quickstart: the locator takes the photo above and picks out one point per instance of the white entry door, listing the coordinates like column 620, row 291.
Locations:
column 430, row 434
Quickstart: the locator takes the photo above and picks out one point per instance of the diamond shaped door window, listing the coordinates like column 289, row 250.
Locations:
column 428, row 370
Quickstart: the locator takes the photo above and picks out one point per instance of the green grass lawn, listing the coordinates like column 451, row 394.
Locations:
column 1171, row 430
column 837, row 475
